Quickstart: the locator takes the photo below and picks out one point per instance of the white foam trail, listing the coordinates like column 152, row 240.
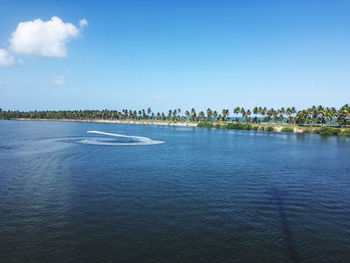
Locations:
column 140, row 140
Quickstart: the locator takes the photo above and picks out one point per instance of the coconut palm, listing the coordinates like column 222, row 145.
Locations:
column 247, row 116
column 343, row 115
column 225, row 113
column 174, row 115
column 314, row 115
column 149, row 111
column 302, row 116
column 209, row 114
column 255, row 111
column 215, row 114
column 201, row 115
column 237, row 110
column 170, row 112
column 243, row 113
column 193, row 114
column 187, row 113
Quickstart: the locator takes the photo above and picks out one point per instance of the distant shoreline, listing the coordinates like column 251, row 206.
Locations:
column 257, row 127
column 143, row 122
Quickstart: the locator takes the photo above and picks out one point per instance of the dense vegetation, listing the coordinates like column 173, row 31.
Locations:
column 329, row 131
column 325, row 130
column 287, row 129
column 312, row 116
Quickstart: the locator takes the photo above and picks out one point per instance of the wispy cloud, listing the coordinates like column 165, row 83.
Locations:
column 58, row 80
column 83, row 22
column 6, row 59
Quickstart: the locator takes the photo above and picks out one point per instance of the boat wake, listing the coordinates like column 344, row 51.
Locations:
column 133, row 140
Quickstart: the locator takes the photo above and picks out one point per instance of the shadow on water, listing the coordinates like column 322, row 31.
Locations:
column 277, row 197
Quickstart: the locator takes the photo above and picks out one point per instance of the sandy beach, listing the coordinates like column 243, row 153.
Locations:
column 142, row 122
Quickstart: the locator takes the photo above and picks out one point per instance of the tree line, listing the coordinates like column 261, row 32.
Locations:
column 311, row 116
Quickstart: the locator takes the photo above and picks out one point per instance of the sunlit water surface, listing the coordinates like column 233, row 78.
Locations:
column 195, row 195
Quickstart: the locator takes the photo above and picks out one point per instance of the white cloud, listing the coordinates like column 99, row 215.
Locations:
column 6, row 59
column 44, row 38
column 83, row 22
column 58, row 80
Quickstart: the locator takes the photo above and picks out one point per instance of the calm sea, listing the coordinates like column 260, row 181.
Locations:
column 171, row 194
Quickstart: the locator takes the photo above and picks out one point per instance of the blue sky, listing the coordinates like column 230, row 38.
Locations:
column 170, row 54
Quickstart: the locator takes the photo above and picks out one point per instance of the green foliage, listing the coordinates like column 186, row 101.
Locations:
column 317, row 131
column 238, row 126
column 327, row 131
column 320, row 116
column 287, row 129
column 345, row 133
column 205, row 125
column 269, row 128
column 255, row 128
column 218, row 126
column 308, row 131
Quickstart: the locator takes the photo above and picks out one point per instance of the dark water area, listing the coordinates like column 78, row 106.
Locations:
column 201, row 196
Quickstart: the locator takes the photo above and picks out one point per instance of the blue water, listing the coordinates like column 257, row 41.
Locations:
column 201, row 196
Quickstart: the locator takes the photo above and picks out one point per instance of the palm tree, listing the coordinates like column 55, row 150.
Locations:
column 225, row 113
column 243, row 113
column 219, row 118
column 313, row 114
column 215, row 114
column 209, row 114
column 201, row 115
column 301, row 116
column 187, row 113
column 193, row 114
column 269, row 114
column 343, row 115
column 169, row 115
column 288, row 113
column 256, row 110
column 281, row 112
column 149, row 111
column 320, row 115
column 174, row 114
column 140, row 112
column 247, row 118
